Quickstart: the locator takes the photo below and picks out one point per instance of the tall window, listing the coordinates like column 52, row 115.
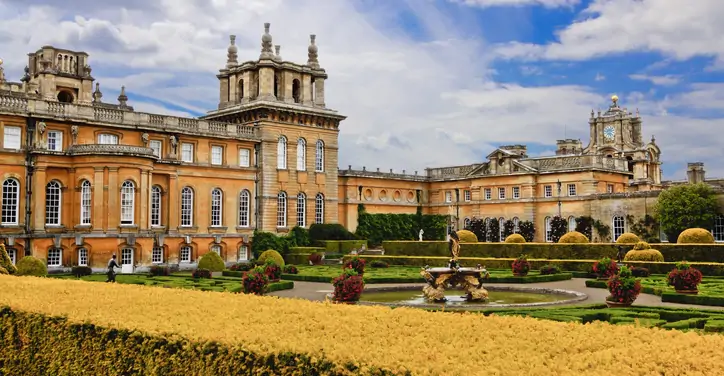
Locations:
column 282, row 153
column 548, row 191
column 468, row 197
column 55, row 140
column 319, row 208
column 619, row 227
column 488, row 193
column 243, row 253
column 216, row 249
column 128, row 190
column 157, row 255
column 187, row 207
column 11, row 201
column 11, row 137
column 244, row 198
column 718, row 230
column 82, row 257
column 156, row 147
column 52, row 203
column 217, row 155
column 185, row 254
column 448, row 196
column 244, row 160
column 301, row 209
column 55, row 257
column 501, row 193
column 187, row 152
column 107, row 139
column 571, row 223
column 216, row 205
column 156, row 206
column 501, row 228
column 571, row 189
column 13, row 254
column 466, row 224
column 85, row 202
column 549, row 237
column 516, row 225
column 282, row 209
column 516, row 192
column 301, row 155
column 319, row 157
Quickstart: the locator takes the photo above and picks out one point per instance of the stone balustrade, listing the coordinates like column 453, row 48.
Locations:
column 111, row 149
column 116, row 117
column 567, row 162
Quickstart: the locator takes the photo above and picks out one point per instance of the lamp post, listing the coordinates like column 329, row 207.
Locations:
column 559, row 197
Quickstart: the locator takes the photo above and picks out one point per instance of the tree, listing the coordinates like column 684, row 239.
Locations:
column 686, row 206
column 508, row 228
column 477, row 226
column 527, row 230
column 559, row 227
column 494, row 230
column 584, row 225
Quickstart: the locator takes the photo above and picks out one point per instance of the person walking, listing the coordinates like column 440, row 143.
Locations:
column 111, row 273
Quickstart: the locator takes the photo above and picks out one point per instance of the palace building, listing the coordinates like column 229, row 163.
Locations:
column 83, row 178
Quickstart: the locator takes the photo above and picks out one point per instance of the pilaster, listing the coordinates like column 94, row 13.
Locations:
column 319, row 92
column 173, row 202
column 71, row 198
column 144, row 206
column 39, row 199
column 224, row 91
column 98, row 209
column 307, row 90
column 114, row 207
column 266, row 82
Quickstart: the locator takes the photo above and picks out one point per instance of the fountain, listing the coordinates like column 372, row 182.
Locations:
column 469, row 280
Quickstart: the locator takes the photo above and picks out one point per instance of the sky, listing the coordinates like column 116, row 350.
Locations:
column 424, row 83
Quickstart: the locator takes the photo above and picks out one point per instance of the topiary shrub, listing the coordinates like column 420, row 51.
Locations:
column 256, row 281
column 695, row 236
column 212, row 261
column 81, row 271
column 628, row 238
column 515, row 238
column 379, row 264
column 574, row 237
column 290, row 269
column 201, row 273
column 5, row 261
column 34, row 266
column 550, row 269
column 159, row 271
column 273, row 255
column 650, row 255
column 640, row 246
column 638, row 271
column 467, row 236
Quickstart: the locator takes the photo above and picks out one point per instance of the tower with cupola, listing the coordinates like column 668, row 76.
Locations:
column 296, row 160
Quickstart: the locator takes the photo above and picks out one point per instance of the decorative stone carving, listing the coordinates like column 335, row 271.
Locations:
column 144, row 139
column 111, row 149
column 174, row 144
column 74, row 134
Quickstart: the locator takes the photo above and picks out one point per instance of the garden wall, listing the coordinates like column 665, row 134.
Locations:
column 672, row 252
column 341, row 246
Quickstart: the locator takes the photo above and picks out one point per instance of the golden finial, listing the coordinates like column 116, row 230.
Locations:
column 1, row 61
column 614, row 98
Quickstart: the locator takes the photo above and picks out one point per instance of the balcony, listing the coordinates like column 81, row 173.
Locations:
column 111, row 149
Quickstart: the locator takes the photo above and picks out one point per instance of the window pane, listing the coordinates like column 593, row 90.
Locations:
column 11, row 137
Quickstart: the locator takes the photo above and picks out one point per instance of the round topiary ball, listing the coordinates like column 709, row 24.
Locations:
column 641, row 246
column 467, row 236
column 273, row 255
column 33, row 266
column 695, row 236
column 515, row 238
column 648, row 255
column 3, row 270
column 212, row 261
column 628, row 238
column 574, row 237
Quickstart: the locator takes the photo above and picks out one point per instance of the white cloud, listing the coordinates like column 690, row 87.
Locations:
column 599, row 77
column 657, row 80
column 517, row 3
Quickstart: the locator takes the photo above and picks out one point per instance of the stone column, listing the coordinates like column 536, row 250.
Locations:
column 173, row 202
column 144, row 206
column 98, row 211
column 266, row 84
column 319, row 92
column 38, row 203
column 307, row 90
column 69, row 218
column 224, row 91
column 113, row 212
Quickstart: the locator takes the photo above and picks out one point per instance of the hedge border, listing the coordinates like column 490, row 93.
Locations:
column 492, row 279
column 670, row 297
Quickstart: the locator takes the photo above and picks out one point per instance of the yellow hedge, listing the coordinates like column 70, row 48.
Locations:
column 644, row 255
column 515, row 238
column 641, row 246
column 573, row 237
column 695, row 236
column 398, row 340
column 467, row 236
column 628, row 238
column 273, row 255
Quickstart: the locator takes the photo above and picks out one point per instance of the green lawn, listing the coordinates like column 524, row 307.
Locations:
column 181, row 280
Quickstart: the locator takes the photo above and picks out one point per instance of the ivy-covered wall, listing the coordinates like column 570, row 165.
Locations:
column 377, row 228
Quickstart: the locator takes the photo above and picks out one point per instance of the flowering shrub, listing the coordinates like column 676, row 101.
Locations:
column 315, row 259
column 241, row 267
column 348, row 286
column 684, row 277
column 201, row 273
column 624, row 288
column 290, row 269
column 605, row 267
column 521, row 266
column 355, row 263
column 255, row 281
column 272, row 270
column 550, row 269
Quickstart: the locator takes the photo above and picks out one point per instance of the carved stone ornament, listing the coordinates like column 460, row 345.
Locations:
column 144, row 138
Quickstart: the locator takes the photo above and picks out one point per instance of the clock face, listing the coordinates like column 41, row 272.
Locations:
column 609, row 132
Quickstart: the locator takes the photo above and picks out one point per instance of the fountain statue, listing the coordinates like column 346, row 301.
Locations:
column 468, row 279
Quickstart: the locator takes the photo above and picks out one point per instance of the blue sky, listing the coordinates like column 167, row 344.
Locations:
column 423, row 82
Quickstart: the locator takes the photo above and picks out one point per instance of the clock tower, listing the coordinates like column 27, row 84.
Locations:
column 617, row 133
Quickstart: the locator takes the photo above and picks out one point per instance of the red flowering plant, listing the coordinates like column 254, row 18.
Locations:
column 521, row 266
column 255, row 281
column 348, row 286
column 272, row 270
column 624, row 288
column 315, row 259
column 605, row 268
column 684, row 277
column 356, row 263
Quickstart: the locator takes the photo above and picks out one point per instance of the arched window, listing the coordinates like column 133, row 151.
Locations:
column 216, row 249
column 319, row 160
column 52, row 204
column 516, row 225
column 82, row 257
column 630, row 162
column 301, row 209
column 10, row 202
column 466, row 223
column 216, row 207
column 319, row 208
column 301, row 154
column 128, row 191
column 241, row 90
column 549, row 237
column 187, row 207
column 501, row 227
column 718, row 230
column 244, row 199
column 156, row 206
column 55, row 257
column 85, row 202
column 13, row 254
column 619, row 227
column 282, row 209
column 571, row 223
column 185, row 254
column 282, row 153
